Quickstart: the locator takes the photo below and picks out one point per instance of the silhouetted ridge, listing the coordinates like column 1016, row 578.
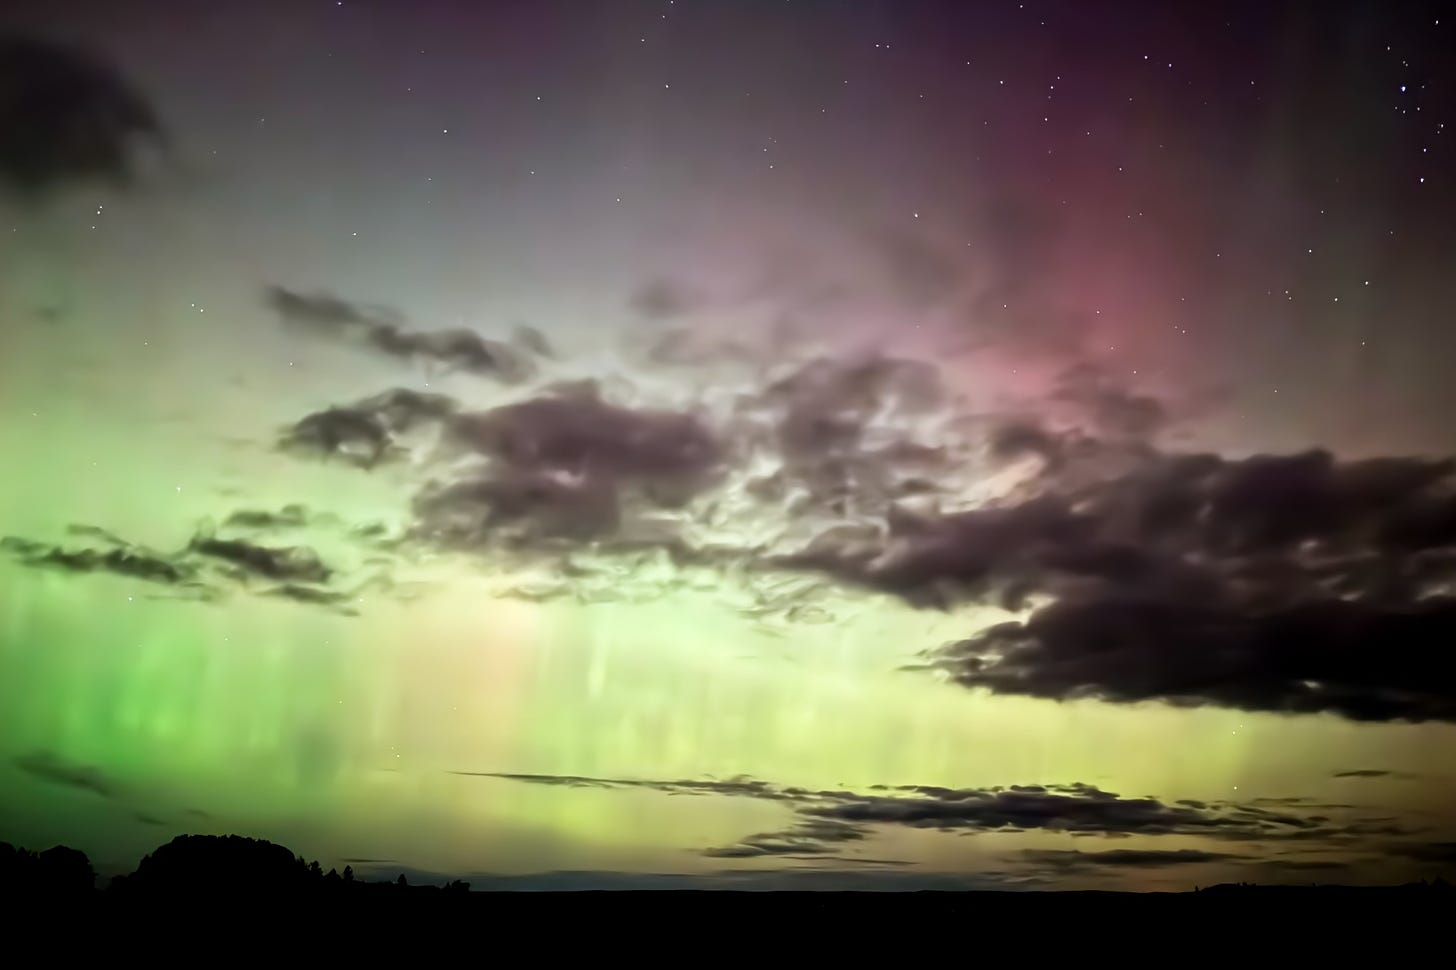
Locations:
column 56, row 871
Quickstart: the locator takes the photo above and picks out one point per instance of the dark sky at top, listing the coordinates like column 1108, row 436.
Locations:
column 1264, row 180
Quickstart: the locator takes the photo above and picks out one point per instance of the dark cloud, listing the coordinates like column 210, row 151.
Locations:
column 1282, row 583
column 67, row 116
column 1348, row 658
column 528, row 506
column 988, row 554
column 368, row 431
column 1017, row 437
column 533, row 341
column 581, row 433
column 812, row 837
column 96, row 532
column 808, row 613
column 51, row 768
column 1442, row 853
column 742, row 787
column 664, row 299
column 315, row 596
column 291, row 516
column 1347, row 832
column 1063, row 861
column 325, row 312
column 208, row 565
column 567, row 465
column 1062, row 808
column 1371, row 773
column 1294, row 867
column 1110, row 406
column 571, row 468
column 292, row 563
column 349, row 434
column 458, row 350
column 382, row 330
column 829, row 424
column 826, row 817
column 1296, row 583
column 122, row 560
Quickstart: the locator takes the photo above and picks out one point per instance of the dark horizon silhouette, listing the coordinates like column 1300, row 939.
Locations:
column 235, row 865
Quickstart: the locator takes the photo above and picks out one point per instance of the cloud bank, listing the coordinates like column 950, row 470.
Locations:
column 827, row 823
column 1293, row 583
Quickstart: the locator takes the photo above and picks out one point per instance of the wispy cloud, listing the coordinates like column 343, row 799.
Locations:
column 206, row 569
column 825, row 821
column 1064, row 861
column 382, row 331
column 53, row 769
column 1374, row 773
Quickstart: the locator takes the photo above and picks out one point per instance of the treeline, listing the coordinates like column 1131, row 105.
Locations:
column 199, row 864
column 219, row 865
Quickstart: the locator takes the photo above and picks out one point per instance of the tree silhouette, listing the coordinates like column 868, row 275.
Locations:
column 56, row 871
column 191, row 863
column 64, row 869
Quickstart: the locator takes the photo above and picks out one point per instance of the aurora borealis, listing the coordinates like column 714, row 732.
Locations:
column 774, row 445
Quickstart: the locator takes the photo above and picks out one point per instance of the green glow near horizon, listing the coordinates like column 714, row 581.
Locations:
column 260, row 715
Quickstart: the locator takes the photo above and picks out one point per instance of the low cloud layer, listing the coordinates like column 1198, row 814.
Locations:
column 211, row 565
column 809, row 838
column 828, row 823
column 1067, row 862
column 1374, row 773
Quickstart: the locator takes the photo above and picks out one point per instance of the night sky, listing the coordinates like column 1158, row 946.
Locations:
column 854, row 444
